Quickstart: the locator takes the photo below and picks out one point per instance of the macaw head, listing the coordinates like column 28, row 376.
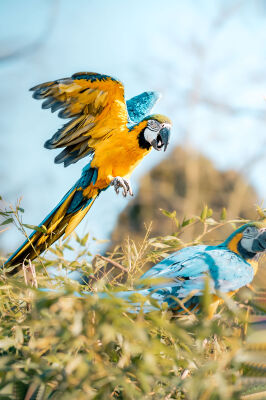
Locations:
column 157, row 131
column 248, row 240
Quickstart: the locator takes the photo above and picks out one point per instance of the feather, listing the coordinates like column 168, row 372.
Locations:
column 62, row 219
column 77, row 218
column 96, row 105
column 140, row 106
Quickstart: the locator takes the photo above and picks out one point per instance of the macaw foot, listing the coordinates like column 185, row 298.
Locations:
column 123, row 183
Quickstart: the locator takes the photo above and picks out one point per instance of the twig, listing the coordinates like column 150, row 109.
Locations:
column 185, row 374
column 29, row 272
column 20, row 226
column 181, row 304
column 3, row 230
column 114, row 263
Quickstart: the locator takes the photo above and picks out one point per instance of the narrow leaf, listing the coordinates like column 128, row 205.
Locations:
column 7, row 221
column 36, row 228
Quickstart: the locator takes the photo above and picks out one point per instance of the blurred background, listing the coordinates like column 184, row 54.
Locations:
column 207, row 58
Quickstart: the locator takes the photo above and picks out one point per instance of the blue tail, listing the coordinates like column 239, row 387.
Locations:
column 63, row 219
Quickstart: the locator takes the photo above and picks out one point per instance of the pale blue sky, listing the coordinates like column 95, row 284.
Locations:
column 206, row 57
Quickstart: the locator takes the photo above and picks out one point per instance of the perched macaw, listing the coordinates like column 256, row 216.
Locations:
column 230, row 266
column 114, row 134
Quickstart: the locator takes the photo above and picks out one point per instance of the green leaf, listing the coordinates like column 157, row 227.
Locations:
column 159, row 245
column 166, row 213
column 171, row 215
column 82, row 253
column 209, row 213
column 204, row 213
column 187, row 222
column 4, row 213
column 41, row 228
column 261, row 212
column 171, row 238
column 84, row 239
column 66, row 246
column 223, row 215
column 76, row 236
column 7, row 221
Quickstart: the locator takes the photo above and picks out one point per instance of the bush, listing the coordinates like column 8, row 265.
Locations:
column 57, row 345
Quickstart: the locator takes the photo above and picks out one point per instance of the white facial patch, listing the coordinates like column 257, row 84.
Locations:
column 249, row 235
column 152, row 130
column 150, row 135
column 247, row 243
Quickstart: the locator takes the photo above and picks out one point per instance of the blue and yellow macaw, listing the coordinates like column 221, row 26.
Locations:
column 115, row 135
column 230, row 266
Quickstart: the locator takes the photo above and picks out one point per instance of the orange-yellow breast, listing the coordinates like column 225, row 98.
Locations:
column 118, row 155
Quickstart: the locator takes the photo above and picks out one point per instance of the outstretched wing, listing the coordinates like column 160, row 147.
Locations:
column 96, row 105
column 139, row 107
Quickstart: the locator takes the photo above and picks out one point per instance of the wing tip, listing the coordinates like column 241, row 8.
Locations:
column 48, row 145
column 155, row 95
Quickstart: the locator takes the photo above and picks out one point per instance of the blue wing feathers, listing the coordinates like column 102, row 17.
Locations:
column 170, row 266
column 140, row 106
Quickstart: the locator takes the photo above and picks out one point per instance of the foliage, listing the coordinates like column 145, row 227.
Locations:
column 57, row 344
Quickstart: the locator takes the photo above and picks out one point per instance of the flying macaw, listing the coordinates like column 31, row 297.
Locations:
column 230, row 266
column 114, row 134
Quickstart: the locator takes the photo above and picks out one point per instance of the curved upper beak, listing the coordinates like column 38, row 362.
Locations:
column 162, row 140
column 259, row 243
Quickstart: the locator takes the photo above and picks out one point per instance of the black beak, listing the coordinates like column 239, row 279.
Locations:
column 162, row 140
column 259, row 243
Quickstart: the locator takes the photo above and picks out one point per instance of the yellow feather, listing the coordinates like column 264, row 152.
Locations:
column 60, row 213
column 41, row 240
column 234, row 243
column 75, row 220
column 29, row 243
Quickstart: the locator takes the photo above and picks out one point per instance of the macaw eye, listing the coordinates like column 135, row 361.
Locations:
column 251, row 231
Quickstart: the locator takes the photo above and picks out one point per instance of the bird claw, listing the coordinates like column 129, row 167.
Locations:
column 123, row 183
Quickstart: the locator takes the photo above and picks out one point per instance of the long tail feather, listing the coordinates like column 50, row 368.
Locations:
column 63, row 219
